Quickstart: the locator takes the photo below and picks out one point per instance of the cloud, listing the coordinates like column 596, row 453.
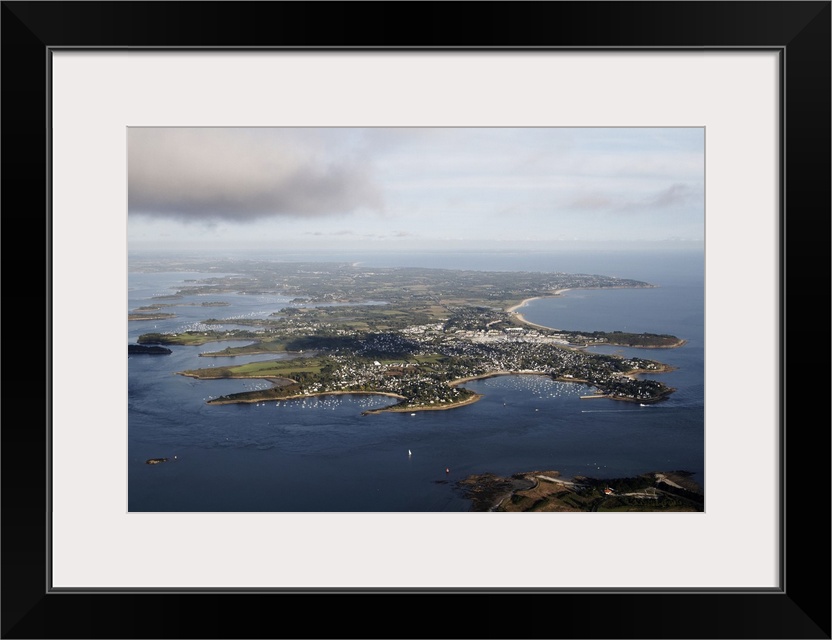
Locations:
column 200, row 174
column 675, row 194
column 591, row 203
column 363, row 236
column 342, row 232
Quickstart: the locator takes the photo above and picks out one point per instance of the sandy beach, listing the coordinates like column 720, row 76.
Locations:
column 523, row 303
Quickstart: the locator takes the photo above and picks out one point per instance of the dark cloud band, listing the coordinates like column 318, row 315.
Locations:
column 238, row 175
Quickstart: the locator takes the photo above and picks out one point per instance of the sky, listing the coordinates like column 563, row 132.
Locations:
column 415, row 189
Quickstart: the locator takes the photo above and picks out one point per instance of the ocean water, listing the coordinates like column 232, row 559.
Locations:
column 321, row 454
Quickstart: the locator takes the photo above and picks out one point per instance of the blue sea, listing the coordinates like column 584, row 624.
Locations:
column 322, row 455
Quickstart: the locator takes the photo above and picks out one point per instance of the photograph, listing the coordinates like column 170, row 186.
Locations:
column 383, row 285
column 364, row 319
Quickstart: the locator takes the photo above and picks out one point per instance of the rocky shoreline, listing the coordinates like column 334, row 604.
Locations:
column 547, row 491
column 396, row 408
column 134, row 349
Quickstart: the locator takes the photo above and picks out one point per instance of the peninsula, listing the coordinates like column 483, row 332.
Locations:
column 548, row 491
column 415, row 335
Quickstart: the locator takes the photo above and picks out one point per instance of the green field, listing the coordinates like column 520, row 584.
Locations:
column 268, row 369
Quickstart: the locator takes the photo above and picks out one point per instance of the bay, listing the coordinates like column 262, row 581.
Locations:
column 324, row 455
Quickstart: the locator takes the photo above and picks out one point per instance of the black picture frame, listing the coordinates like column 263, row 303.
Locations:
column 799, row 31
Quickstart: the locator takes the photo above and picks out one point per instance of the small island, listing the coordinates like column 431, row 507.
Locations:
column 155, row 350
column 154, row 311
column 150, row 316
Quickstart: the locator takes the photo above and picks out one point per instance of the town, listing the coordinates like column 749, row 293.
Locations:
column 414, row 334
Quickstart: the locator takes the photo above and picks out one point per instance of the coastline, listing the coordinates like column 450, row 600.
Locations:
column 395, row 408
column 549, row 491
column 520, row 317
column 494, row 374
column 301, row 396
column 522, row 303
column 679, row 343
column 399, row 408
column 663, row 368
column 513, row 310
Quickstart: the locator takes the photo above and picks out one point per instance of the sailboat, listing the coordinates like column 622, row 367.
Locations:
column 409, row 453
